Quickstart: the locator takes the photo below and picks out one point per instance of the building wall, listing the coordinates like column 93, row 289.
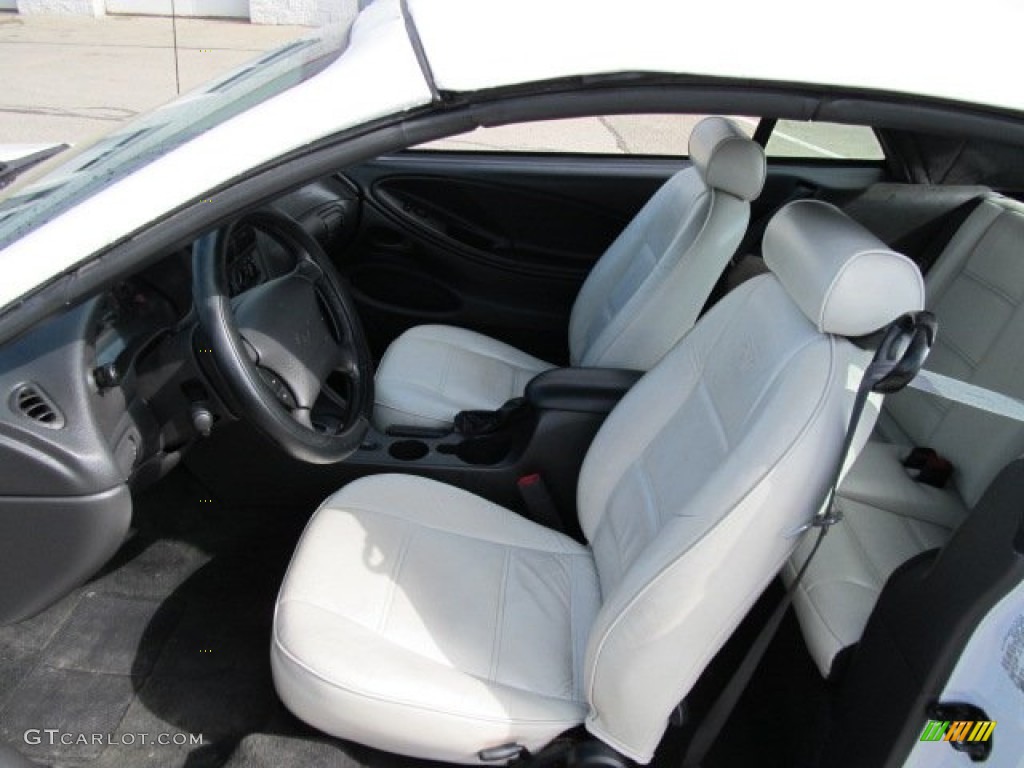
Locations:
column 310, row 12
column 62, row 7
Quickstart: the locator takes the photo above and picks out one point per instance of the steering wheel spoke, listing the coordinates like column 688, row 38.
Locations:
column 276, row 384
column 308, row 269
column 302, row 416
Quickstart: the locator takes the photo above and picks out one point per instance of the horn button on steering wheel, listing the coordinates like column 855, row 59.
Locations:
column 282, row 321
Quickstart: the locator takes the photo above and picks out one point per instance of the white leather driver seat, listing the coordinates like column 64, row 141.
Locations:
column 641, row 297
column 420, row 619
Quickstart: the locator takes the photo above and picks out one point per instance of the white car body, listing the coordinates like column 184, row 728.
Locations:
column 530, row 40
column 381, row 74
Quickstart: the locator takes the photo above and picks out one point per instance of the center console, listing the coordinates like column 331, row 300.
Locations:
column 540, row 441
column 545, row 438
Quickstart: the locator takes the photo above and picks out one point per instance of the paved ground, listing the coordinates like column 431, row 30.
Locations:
column 67, row 79
column 660, row 135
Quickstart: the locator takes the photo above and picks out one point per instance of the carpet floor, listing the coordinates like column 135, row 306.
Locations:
column 170, row 641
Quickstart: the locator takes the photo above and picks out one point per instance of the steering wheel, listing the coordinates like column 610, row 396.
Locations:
column 277, row 345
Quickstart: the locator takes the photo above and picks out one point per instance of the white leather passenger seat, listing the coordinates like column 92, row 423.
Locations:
column 976, row 290
column 420, row 619
column 641, row 297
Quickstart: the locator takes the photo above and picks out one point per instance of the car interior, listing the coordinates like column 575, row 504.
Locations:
column 473, row 456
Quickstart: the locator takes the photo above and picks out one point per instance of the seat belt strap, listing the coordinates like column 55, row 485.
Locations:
column 898, row 359
column 877, row 380
column 968, row 394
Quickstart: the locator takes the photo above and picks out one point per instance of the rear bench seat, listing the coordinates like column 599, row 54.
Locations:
column 976, row 289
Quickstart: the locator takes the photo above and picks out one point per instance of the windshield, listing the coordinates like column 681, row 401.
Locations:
column 59, row 185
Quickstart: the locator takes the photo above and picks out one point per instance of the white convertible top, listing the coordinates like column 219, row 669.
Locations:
column 963, row 52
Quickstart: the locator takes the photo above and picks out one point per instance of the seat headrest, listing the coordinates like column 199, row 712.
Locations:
column 726, row 159
column 846, row 280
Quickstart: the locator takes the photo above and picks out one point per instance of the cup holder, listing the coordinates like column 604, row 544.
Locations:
column 478, row 450
column 408, row 450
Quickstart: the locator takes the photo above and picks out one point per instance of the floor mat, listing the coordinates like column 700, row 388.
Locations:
column 261, row 750
column 780, row 717
column 163, row 658
column 290, row 742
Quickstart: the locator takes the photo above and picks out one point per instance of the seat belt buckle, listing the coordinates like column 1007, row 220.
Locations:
column 928, row 466
column 918, row 457
column 540, row 506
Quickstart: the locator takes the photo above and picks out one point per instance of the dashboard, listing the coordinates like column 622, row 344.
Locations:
column 107, row 397
column 108, row 392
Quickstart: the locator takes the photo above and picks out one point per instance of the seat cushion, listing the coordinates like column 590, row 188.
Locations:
column 888, row 518
column 423, row 620
column 976, row 290
column 431, row 372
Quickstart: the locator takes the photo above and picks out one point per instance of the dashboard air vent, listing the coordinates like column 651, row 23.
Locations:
column 31, row 402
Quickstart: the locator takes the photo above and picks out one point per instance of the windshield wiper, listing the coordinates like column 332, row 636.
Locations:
column 11, row 170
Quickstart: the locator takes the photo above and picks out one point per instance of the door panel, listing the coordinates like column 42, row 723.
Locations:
column 508, row 227
column 500, row 244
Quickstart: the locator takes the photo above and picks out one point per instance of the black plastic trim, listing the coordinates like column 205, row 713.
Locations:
column 49, row 545
column 580, row 390
column 925, row 617
column 764, row 130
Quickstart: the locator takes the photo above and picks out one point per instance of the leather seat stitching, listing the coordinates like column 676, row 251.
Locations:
column 499, row 617
column 865, row 555
column 393, row 577
column 574, row 630
column 653, row 505
column 667, row 567
column 527, row 547
column 713, row 410
column 294, row 658
column 995, row 290
column 660, row 266
column 825, row 623
column 446, row 370
column 481, row 353
column 408, row 412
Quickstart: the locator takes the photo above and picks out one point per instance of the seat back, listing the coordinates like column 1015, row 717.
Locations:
column 692, row 488
column 976, row 291
column 648, row 288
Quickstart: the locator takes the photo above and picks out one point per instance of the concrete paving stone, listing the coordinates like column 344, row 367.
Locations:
column 72, row 79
